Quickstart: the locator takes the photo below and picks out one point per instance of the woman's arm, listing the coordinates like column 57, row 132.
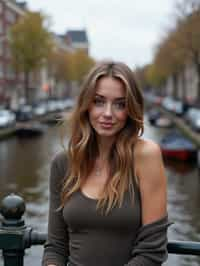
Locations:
column 152, row 180
column 56, row 247
column 150, row 248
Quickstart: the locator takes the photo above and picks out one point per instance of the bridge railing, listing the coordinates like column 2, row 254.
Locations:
column 16, row 237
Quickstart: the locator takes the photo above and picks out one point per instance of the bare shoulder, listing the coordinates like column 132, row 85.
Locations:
column 148, row 160
column 145, row 148
column 150, row 172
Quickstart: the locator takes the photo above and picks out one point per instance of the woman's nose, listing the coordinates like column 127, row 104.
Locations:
column 108, row 110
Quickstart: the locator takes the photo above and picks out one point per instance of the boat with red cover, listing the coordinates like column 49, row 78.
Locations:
column 176, row 146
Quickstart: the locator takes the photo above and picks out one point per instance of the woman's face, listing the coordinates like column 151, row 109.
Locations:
column 108, row 111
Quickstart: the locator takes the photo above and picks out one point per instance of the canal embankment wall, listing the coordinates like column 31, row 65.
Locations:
column 179, row 123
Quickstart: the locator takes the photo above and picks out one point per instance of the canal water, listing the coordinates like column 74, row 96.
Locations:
column 24, row 169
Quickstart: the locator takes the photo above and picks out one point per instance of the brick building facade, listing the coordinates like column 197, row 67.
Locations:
column 10, row 82
column 12, row 91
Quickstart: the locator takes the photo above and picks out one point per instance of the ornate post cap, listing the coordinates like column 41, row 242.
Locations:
column 12, row 209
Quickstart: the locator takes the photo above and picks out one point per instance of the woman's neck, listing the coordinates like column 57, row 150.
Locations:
column 104, row 145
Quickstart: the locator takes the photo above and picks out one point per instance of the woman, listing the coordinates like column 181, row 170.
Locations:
column 112, row 208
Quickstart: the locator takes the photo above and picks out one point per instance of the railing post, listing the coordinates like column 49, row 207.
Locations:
column 13, row 230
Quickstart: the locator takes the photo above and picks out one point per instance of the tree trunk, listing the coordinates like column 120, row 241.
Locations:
column 68, row 89
column 197, row 66
column 26, row 86
column 183, row 85
column 198, row 83
column 175, row 89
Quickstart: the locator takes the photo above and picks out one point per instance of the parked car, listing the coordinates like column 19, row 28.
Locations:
column 153, row 115
column 152, row 98
column 168, row 104
column 39, row 109
column 7, row 118
column 60, row 105
column 69, row 103
column 192, row 116
column 24, row 113
column 51, row 106
column 176, row 106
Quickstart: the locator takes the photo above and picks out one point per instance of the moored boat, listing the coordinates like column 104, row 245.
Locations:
column 178, row 166
column 30, row 129
column 153, row 115
column 176, row 146
column 163, row 122
column 158, row 119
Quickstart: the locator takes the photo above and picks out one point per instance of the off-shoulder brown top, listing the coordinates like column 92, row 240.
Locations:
column 80, row 235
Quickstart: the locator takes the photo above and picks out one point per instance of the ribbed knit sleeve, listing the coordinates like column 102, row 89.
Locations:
column 56, row 247
column 150, row 247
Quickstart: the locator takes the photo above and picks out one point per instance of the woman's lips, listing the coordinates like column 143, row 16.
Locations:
column 106, row 124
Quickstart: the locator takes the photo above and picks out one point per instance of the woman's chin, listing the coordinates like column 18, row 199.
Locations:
column 106, row 133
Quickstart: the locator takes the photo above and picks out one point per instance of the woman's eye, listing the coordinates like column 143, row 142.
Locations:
column 98, row 102
column 120, row 105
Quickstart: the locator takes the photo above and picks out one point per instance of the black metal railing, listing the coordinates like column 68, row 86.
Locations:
column 16, row 237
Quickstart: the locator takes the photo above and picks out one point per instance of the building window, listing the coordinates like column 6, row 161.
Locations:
column 10, row 73
column 1, row 48
column 8, row 52
column 22, row 76
column 1, row 70
column 10, row 16
column 1, row 26
column 1, row 7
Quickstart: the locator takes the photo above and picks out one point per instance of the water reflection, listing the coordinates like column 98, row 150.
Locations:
column 179, row 166
column 183, row 207
column 183, row 201
column 24, row 162
column 25, row 170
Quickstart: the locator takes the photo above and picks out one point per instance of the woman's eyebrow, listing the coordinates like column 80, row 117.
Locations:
column 99, row 95
column 120, row 99
column 116, row 99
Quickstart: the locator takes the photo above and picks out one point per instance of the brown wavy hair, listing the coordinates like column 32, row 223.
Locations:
column 83, row 148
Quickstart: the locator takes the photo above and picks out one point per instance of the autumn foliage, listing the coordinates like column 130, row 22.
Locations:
column 179, row 47
column 30, row 43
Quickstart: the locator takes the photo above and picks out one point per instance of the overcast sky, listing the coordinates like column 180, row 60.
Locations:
column 125, row 30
